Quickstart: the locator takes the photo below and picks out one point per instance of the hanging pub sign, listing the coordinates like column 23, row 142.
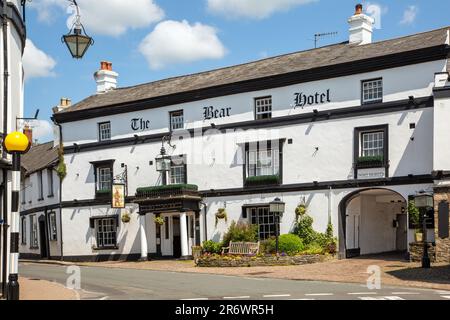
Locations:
column 118, row 196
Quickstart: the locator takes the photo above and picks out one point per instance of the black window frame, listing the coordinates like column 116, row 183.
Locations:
column 171, row 113
column 23, row 230
column 94, row 224
column 52, row 236
column 98, row 165
column 50, row 183
column 271, row 215
column 99, row 131
column 34, row 245
column 357, row 136
column 255, row 107
column 40, row 178
column 175, row 162
column 258, row 145
column 362, row 91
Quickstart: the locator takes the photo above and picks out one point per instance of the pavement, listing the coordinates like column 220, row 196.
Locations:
column 394, row 271
column 37, row 289
column 100, row 283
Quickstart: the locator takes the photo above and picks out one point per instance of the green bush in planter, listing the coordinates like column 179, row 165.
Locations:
column 212, row 247
column 304, row 229
column 290, row 244
column 240, row 232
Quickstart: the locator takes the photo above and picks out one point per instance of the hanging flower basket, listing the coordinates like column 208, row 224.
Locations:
column 300, row 211
column 126, row 217
column 221, row 214
column 159, row 221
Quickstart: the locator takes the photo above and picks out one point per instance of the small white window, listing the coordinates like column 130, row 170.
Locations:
column 104, row 131
column 263, row 108
column 372, row 91
column 263, row 162
column 372, row 144
column 104, row 179
column 52, row 226
column 177, row 120
column 177, row 174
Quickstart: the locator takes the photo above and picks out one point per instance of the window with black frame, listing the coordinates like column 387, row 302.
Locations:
column 177, row 173
column 33, row 232
column 23, row 223
column 52, row 226
column 176, row 120
column 50, row 183
column 263, row 161
column 40, row 186
column 264, row 220
column 104, row 131
column 106, row 232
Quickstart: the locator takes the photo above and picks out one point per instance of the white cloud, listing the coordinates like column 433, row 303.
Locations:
column 173, row 42
column 104, row 17
column 256, row 9
column 410, row 14
column 376, row 11
column 42, row 130
column 36, row 63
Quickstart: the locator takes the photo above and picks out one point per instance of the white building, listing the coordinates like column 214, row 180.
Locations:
column 12, row 44
column 352, row 130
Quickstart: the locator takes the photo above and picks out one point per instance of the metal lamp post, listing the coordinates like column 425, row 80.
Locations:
column 277, row 207
column 163, row 162
column 423, row 202
column 77, row 40
column 15, row 143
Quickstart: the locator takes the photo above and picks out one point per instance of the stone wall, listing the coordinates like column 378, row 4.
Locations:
column 442, row 245
column 229, row 261
column 416, row 252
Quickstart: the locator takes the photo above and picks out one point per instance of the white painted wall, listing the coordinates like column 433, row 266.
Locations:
column 441, row 160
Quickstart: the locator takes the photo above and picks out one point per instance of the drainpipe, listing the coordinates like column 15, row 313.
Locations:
column 205, row 229
column 61, row 243
column 4, row 155
column 330, row 202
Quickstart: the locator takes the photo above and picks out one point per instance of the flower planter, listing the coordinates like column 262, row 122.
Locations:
column 262, row 181
column 370, row 162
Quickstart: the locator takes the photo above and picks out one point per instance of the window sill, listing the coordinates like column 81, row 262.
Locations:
column 105, row 248
column 34, row 248
column 51, row 196
column 40, row 200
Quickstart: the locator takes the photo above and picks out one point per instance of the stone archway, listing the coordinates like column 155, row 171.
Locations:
column 372, row 220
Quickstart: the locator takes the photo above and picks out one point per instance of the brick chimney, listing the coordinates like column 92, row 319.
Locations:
column 29, row 133
column 64, row 103
column 106, row 78
column 361, row 27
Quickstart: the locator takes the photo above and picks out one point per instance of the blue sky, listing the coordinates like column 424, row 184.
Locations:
column 150, row 41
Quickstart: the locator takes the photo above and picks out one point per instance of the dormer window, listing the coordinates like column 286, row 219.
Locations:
column 372, row 91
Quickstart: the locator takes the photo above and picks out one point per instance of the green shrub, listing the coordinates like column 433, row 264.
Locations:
column 290, row 244
column 240, row 232
column 212, row 247
column 268, row 246
column 414, row 214
column 314, row 248
column 305, row 230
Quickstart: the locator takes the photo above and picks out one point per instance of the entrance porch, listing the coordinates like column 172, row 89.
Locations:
column 179, row 221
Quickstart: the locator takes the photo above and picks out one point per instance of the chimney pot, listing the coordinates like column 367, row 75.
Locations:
column 359, row 9
column 106, row 78
column 28, row 132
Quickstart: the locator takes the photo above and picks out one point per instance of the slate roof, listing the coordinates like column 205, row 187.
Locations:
column 40, row 157
column 288, row 63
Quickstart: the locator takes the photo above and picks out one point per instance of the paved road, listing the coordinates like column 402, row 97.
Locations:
column 127, row 284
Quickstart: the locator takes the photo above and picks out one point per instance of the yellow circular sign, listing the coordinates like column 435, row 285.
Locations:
column 16, row 142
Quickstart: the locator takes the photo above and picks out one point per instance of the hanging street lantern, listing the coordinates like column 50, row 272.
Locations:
column 77, row 40
column 163, row 163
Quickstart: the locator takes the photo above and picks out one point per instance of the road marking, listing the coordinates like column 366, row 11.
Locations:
column 361, row 293
column 303, row 299
column 381, row 298
column 193, row 299
column 276, row 295
column 445, row 297
column 404, row 293
column 104, row 298
column 442, row 292
column 319, row 294
column 241, row 297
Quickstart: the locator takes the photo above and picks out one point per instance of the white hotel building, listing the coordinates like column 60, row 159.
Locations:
column 352, row 130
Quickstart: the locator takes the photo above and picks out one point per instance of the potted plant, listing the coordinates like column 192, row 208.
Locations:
column 126, row 218
column 159, row 221
column 370, row 162
column 418, row 235
column 221, row 214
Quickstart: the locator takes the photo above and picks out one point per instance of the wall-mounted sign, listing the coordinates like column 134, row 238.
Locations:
column 118, row 196
column 139, row 124
column 215, row 113
column 302, row 100
column 374, row 173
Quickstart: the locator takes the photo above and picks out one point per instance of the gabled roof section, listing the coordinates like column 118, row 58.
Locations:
column 298, row 62
column 40, row 157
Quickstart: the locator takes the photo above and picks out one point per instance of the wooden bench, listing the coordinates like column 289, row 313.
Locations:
column 242, row 248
